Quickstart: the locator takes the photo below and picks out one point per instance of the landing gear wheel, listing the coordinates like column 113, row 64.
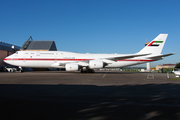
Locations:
column 83, row 71
column 87, row 71
column 20, row 69
column 93, row 71
column 90, row 71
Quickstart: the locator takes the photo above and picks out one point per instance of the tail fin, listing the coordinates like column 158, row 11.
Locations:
column 155, row 46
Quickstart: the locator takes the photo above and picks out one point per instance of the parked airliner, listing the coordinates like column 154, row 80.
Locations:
column 87, row 62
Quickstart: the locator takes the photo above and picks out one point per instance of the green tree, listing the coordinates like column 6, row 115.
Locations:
column 178, row 65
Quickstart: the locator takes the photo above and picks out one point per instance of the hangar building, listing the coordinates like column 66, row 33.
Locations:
column 31, row 45
column 158, row 67
column 6, row 49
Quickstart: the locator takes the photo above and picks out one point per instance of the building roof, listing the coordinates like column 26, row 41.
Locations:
column 8, row 47
column 169, row 64
column 39, row 45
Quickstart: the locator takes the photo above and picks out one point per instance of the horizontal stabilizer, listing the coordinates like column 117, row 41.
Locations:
column 160, row 56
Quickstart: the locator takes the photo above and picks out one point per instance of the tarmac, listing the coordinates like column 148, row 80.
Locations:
column 108, row 95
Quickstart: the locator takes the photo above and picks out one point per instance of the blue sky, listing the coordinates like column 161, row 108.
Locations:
column 93, row 26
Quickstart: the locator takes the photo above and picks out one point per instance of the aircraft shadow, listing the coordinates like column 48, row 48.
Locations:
column 78, row 72
column 82, row 102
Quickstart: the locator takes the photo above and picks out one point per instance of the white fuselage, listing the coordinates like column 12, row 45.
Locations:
column 87, row 62
column 177, row 73
column 57, row 59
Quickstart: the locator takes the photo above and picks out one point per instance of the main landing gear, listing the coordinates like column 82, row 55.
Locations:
column 87, row 71
column 20, row 69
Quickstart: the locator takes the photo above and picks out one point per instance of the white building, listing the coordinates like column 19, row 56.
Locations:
column 159, row 67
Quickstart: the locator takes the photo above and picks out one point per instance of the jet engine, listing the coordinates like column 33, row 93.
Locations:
column 72, row 67
column 95, row 64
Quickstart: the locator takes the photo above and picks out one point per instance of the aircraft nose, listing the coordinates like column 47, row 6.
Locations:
column 6, row 59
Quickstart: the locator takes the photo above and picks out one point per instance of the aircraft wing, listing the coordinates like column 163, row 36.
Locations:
column 126, row 56
column 112, row 59
column 160, row 56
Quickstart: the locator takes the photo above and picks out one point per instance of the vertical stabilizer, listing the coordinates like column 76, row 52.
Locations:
column 155, row 46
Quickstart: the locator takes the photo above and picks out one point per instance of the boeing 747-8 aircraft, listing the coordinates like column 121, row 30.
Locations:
column 87, row 62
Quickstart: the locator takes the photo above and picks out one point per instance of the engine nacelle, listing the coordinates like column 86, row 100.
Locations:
column 95, row 64
column 72, row 67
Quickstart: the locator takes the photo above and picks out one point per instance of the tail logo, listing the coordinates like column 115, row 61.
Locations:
column 155, row 43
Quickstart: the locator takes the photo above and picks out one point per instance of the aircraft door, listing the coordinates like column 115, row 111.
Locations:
column 38, row 53
column 24, row 59
column 55, row 57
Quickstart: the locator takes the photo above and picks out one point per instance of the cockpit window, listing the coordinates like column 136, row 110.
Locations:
column 16, row 53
